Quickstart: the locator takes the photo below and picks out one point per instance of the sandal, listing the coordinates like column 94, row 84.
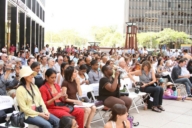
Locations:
column 161, row 108
column 136, row 124
column 155, row 109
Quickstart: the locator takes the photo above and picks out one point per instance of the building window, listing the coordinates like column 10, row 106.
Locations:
column 165, row 13
column 188, row 21
column 172, row 13
column 169, row 4
column 168, row 21
column 175, row 21
column 181, row 21
column 179, row 6
column 179, row 13
column 178, row 21
column 149, row 3
column 162, row 13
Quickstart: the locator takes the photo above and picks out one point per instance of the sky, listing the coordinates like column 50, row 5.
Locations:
column 81, row 15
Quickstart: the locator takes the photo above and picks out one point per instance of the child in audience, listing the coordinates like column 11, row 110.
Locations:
column 173, row 94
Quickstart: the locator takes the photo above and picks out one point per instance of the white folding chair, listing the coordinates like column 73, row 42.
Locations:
column 6, row 102
column 17, row 109
column 85, row 90
column 137, row 99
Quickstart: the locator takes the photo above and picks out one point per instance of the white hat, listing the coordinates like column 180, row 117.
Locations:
column 26, row 71
column 169, row 83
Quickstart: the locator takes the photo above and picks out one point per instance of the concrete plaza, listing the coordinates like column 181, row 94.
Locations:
column 177, row 114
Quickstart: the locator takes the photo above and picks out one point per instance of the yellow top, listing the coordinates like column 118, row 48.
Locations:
column 25, row 101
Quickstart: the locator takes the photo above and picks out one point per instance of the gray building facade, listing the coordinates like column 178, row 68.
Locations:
column 155, row 15
column 22, row 22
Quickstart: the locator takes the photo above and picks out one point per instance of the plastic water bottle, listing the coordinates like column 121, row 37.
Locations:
column 175, row 93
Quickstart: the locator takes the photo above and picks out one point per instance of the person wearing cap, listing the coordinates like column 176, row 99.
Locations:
column 68, row 122
column 29, row 99
column 171, row 94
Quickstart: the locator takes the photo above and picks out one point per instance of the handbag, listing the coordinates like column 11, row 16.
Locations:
column 16, row 120
column 3, row 116
column 70, row 106
column 39, row 109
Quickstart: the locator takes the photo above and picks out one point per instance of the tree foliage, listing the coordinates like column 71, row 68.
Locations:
column 108, row 36
column 66, row 37
column 166, row 36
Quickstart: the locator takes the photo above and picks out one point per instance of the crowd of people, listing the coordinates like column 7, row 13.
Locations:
column 48, row 83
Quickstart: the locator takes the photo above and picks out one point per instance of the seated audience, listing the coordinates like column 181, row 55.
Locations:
column 183, row 79
column 9, row 79
column 94, row 74
column 118, row 117
column 109, row 89
column 29, row 98
column 38, row 79
column 61, row 76
column 82, row 75
column 147, row 77
column 171, row 94
column 71, row 85
column 57, row 101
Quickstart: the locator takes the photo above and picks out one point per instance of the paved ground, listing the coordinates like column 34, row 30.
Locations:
column 178, row 114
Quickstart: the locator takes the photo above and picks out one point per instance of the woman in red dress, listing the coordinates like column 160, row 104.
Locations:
column 54, row 99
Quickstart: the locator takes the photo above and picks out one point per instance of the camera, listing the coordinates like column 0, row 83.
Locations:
column 137, row 87
column 120, row 70
column 139, row 83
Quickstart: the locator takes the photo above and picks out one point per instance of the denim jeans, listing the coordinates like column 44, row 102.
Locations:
column 186, row 82
column 157, row 93
column 53, row 121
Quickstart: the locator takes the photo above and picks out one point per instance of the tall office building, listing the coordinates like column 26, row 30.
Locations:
column 22, row 22
column 155, row 15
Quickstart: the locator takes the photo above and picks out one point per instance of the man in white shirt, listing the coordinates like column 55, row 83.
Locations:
column 176, row 54
column 119, row 51
column 129, row 51
column 145, row 52
column 36, row 49
column 132, row 51
column 43, row 66
column 141, row 51
column 57, row 66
